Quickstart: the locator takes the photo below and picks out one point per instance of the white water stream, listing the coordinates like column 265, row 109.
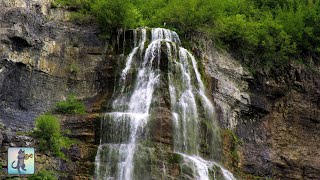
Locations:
column 124, row 125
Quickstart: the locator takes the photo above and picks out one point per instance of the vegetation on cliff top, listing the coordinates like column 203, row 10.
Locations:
column 266, row 32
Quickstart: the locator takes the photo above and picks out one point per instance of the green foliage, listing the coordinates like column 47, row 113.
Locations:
column 67, row 142
column 48, row 133
column 116, row 14
column 70, row 106
column 231, row 143
column 47, row 130
column 233, row 136
column 263, row 33
column 53, row 5
column 74, row 68
column 176, row 158
column 77, row 5
column 43, row 175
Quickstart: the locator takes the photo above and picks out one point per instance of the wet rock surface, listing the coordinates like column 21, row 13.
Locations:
column 81, row 156
column 274, row 115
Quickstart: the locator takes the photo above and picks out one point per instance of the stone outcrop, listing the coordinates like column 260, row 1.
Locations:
column 273, row 114
column 286, row 137
column 78, row 162
column 43, row 59
column 81, row 156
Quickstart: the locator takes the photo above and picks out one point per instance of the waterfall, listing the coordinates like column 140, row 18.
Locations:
column 125, row 125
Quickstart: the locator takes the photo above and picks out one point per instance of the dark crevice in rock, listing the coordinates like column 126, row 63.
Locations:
column 19, row 44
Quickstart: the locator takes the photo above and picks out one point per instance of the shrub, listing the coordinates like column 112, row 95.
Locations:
column 112, row 14
column 67, row 142
column 74, row 68
column 49, row 136
column 47, row 130
column 42, row 175
column 70, row 106
column 176, row 158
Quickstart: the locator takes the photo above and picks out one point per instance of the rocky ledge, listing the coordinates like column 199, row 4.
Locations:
column 78, row 162
column 274, row 116
column 43, row 59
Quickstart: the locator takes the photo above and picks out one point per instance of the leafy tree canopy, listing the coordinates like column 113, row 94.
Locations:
column 264, row 31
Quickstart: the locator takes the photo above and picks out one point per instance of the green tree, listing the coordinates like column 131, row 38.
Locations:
column 265, row 32
column 112, row 15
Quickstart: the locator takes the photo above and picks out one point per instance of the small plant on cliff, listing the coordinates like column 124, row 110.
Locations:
column 74, row 68
column 50, row 139
column 231, row 143
column 176, row 158
column 1, row 165
column 42, row 175
column 47, row 130
column 70, row 106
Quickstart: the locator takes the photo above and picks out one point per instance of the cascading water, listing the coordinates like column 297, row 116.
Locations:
column 124, row 126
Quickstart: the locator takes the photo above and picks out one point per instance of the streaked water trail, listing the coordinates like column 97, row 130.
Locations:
column 124, row 126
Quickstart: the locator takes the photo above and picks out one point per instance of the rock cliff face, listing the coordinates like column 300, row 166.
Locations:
column 43, row 59
column 286, row 127
column 274, row 116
